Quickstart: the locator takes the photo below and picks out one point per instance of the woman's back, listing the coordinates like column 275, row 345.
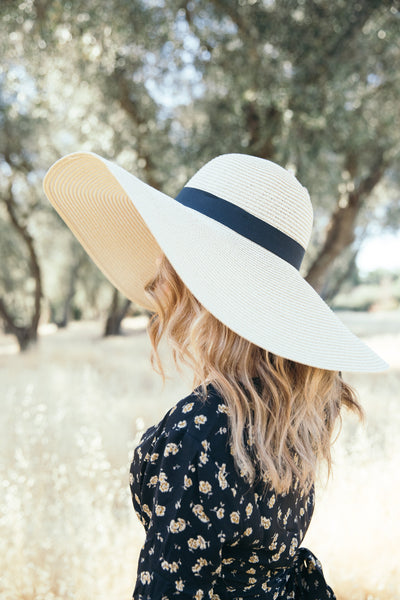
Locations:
column 209, row 534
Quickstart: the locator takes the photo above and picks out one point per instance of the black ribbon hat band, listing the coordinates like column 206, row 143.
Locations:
column 244, row 223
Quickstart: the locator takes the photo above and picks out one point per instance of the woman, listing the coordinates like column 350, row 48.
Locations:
column 224, row 483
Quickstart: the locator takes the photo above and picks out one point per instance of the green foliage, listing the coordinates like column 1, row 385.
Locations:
column 161, row 86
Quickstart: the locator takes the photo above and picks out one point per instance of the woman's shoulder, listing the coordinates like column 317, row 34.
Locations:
column 196, row 416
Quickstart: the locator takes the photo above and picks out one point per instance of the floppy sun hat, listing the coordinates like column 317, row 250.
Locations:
column 235, row 234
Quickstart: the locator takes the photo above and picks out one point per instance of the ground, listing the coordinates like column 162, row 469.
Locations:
column 72, row 411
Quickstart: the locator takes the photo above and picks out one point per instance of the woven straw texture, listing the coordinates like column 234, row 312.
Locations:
column 263, row 189
column 124, row 224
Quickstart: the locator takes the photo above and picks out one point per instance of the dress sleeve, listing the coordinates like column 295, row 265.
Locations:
column 188, row 497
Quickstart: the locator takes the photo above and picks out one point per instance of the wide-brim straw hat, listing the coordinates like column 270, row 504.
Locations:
column 235, row 234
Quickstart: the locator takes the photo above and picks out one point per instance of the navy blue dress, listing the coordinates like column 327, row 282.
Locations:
column 209, row 534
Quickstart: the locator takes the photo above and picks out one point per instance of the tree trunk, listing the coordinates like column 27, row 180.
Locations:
column 330, row 291
column 340, row 229
column 73, row 276
column 27, row 334
column 116, row 315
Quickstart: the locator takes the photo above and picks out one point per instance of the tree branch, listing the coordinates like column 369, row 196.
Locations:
column 340, row 230
column 229, row 9
column 126, row 102
column 23, row 232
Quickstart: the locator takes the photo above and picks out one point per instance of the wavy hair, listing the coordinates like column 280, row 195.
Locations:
column 281, row 413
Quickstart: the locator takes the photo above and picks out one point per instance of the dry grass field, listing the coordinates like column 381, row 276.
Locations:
column 71, row 411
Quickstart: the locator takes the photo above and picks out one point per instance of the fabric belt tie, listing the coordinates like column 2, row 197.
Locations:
column 309, row 581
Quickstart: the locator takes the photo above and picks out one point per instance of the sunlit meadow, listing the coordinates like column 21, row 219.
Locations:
column 72, row 411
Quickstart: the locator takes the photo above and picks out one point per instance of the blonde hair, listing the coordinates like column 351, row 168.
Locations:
column 281, row 423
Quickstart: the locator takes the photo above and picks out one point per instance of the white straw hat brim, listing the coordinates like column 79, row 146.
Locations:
column 125, row 224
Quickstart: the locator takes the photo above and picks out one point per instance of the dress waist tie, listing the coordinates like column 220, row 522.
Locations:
column 308, row 579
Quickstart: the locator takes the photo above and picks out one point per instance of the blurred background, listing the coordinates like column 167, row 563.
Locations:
column 161, row 87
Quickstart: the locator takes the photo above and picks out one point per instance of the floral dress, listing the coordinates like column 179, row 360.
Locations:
column 209, row 534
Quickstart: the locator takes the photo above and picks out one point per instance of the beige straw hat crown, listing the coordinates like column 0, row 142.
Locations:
column 235, row 234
